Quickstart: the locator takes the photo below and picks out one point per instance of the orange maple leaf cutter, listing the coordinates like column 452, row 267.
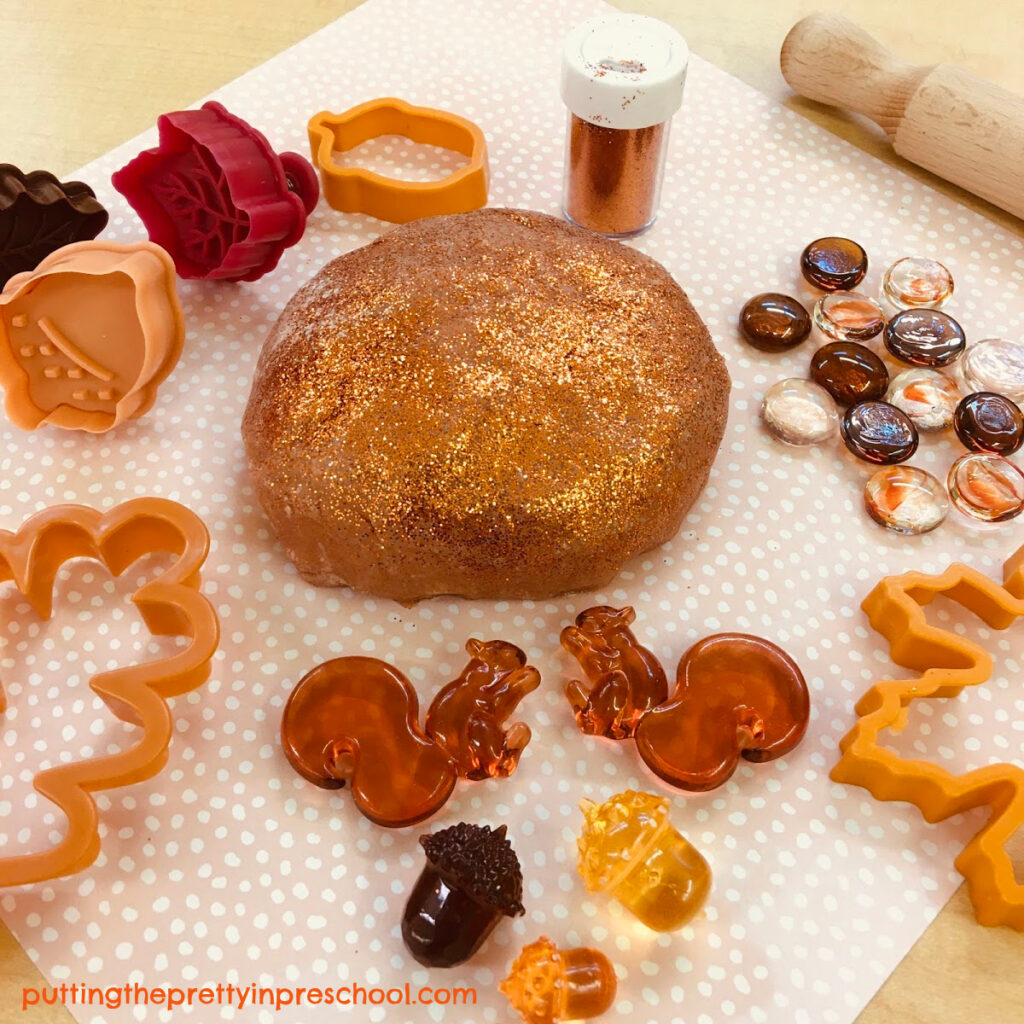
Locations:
column 170, row 605
column 947, row 663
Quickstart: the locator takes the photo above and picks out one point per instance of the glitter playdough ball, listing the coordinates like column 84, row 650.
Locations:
column 492, row 404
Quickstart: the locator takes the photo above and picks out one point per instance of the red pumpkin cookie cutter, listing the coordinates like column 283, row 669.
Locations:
column 217, row 197
column 170, row 605
column 355, row 721
column 88, row 336
column 359, row 190
column 736, row 696
column 947, row 663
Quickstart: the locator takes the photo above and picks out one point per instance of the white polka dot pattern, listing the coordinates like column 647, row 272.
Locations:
column 228, row 867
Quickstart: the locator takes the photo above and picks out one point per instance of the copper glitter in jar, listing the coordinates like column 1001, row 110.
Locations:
column 622, row 80
column 614, row 176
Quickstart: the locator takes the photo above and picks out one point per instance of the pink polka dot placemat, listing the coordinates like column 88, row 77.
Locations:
column 229, row 868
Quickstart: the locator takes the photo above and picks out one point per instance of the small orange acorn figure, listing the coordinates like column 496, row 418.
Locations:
column 89, row 335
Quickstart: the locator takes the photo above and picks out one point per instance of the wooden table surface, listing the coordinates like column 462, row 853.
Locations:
column 83, row 75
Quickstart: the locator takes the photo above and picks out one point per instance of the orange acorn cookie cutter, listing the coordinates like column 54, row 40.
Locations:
column 170, row 605
column 359, row 190
column 87, row 338
column 947, row 663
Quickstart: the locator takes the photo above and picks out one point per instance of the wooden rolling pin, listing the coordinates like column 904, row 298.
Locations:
column 950, row 121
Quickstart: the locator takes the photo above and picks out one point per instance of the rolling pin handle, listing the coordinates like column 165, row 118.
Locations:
column 831, row 60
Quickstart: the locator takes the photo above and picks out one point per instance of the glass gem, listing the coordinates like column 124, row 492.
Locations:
column 849, row 372
column 630, row 849
column 547, row 984
column 848, row 316
column 878, row 432
column 925, row 337
column 928, row 397
column 987, row 422
column 799, row 412
column 986, row 487
column 905, row 499
column 917, row 281
column 995, row 364
column 834, row 264
column 773, row 322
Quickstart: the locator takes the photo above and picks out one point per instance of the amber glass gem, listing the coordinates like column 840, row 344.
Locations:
column 774, row 322
column 878, row 432
column 986, row 487
column 924, row 337
column 834, row 264
column 987, row 422
column 849, row 372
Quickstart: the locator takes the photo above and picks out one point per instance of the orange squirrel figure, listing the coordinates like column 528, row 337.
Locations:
column 355, row 721
column 735, row 696
column 627, row 679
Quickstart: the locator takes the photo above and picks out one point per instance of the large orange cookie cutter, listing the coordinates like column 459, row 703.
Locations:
column 170, row 605
column 359, row 190
column 947, row 663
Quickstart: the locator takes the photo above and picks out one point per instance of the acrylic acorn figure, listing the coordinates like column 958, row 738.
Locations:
column 471, row 880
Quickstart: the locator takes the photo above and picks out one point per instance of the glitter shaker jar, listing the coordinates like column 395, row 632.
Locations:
column 622, row 80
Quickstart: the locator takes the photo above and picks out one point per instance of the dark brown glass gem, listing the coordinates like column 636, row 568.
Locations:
column 849, row 372
column 774, row 322
column 987, row 422
column 879, row 432
column 834, row 264
column 925, row 337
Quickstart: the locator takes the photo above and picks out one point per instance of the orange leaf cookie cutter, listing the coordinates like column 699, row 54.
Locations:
column 947, row 663
column 170, row 605
column 359, row 190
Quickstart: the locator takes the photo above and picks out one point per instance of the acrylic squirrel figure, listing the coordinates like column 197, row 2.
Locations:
column 735, row 696
column 355, row 721
column 626, row 679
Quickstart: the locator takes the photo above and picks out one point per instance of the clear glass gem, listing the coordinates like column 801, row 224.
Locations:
column 905, row 499
column 995, row 364
column 986, row 487
column 799, row 412
column 917, row 281
column 928, row 397
column 848, row 316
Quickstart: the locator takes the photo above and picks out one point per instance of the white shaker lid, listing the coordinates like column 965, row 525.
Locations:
column 624, row 71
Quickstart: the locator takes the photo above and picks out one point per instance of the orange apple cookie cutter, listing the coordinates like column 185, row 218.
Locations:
column 89, row 335
column 170, row 605
column 947, row 663
column 359, row 190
